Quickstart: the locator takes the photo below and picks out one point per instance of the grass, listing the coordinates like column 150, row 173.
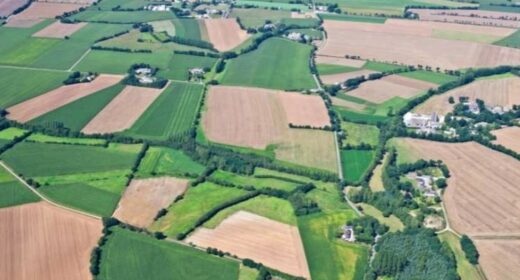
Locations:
column 16, row 89
column 12, row 192
column 270, row 207
column 121, row 16
column 277, row 63
column 466, row 270
column 27, row 52
column 172, row 114
column 256, row 182
column 77, row 114
column 40, row 159
column 465, row 36
column 394, row 7
column 312, row 33
column 11, row 133
column 404, row 154
column 247, row 273
column 187, row 28
column 83, row 197
column 393, row 223
column 511, row 41
column 180, row 65
column 345, row 261
column 381, row 66
column 355, row 163
column 42, row 138
column 255, row 17
column 130, row 255
column 164, row 161
column 197, row 201
column 360, row 117
column 360, row 133
column 430, row 76
column 376, row 181
column 329, row 69
column 301, row 22
column 353, row 18
column 279, row 5
column 112, row 62
column 123, row 4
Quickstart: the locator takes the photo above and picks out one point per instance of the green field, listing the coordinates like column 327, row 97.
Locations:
column 511, row 41
column 355, row 163
column 301, row 22
column 122, row 4
column 393, row 223
column 187, row 28
column 360, row 133
column 164, row 161
column 111, row 62
column 37, row 137
column 15, row 89
column 173, row 113
column 494, row 5
column 180, row 64
column 121, row 16
column 254, row 18
column 381, row 66
column 129, row 255
column 11, row 133
column 465, row 269
column 394, row 7
column 344, row 261
column 278, row 5
column 197, row 201
column 360, row 117
column 353, row 18
column 40, row 159
column 430, row 76
column 260, row 183
column 277, row 63
column 12, row 192
column 78, row 113
column 270, row 207
column 329, row 69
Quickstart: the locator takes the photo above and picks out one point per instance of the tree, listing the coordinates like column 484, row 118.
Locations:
column 469, row 249
column 441, row 183
column 451, row 100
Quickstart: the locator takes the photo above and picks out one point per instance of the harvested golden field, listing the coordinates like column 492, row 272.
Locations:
column 122, row 112
column 340, row 61
column 257, row 118
column 508, row 137
column 59, row 30
column 247, row 235
column 476, row 17
column 39, row 11
column 225, row 33
column 482, row 197
column 381, row 90
column 342, row 77
column 411, row 45
column 41, row 241
column 52, row 100
column 499, row 258
column 143, row 199
column 494, row 92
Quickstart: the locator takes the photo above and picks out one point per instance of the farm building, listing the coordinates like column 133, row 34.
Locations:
column 424, row 122
column 348, row 234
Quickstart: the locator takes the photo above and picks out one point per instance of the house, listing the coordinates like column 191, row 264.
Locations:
column 348, row 234
column 146, row 79
column 427, row 123
column 472, row 107
column 143, row 71
column 157, row 8
column 295, row 36
column 425, row 184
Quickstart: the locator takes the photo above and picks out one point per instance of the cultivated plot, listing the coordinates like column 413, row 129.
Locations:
column 342, row 77
column 508, row 137
column 247, row 235
column 59, row 30
column 476, row 173
column 476, row 17
column 38, row 11
column 7, row 7
column 225, row 34
column 499, row 258
column 122, row 112
column 143, row 199
column 45, row 242
column 503, row 92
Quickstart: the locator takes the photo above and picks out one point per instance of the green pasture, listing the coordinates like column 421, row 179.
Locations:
column 329, row 69
column 360, row 133
column 354, row 18
column 41, row 159
column 121, row 16
column 256, row 17
column 12, row 192
column 277, row 63
column 301, row 22
column 130, row 255
column 394, row 7
column 498, row 5
column 122, row 4
column 273, row 208
column 381, row 66
column 257, row 182
column 111, row 62
column 165, row 161
column 78, row 113
column 465, row 269
column 187, row 28
column 42, row 138
column 11, row 133
column 197, row 201
column 280, row 5
column 345, row 261
column 430, row 76
column 357, row 117
column 511, row 41
column 393, row 223
column 180, row 64
column 355, row 163
column 172, row 114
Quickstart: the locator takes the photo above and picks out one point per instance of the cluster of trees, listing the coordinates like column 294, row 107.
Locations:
column 191, row 42
column 267, row 273
column 137, row 162
column 197, row 53
column 366, row 229
column 77, row 77
column 413, row 254
column 112, row 36
column 117, row 49
column 470, row 250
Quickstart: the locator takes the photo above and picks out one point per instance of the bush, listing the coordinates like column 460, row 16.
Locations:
column 469, row 249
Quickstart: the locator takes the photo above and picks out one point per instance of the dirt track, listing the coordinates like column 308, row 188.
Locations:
column 482, row 196
column 40, row 241
column 52, row 100
column 123, row 111
column 225, row 34
column 144, row 198
column 247, row 235
column 59, row 30
column 508, row 137
column 494, row 92
column 411, row 45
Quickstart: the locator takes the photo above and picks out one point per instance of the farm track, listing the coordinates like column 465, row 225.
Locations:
column 44, row 198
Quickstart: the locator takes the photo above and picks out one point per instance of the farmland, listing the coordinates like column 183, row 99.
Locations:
column 508, row 137
column 121, row 17
column 498, row 257
column 360, row 133
column 180, row 64
column 225, row 34
column 164, row 161
column 355, row 163
column 124, row 249
column 284, row 65
column 12, row 192
column 254, row 18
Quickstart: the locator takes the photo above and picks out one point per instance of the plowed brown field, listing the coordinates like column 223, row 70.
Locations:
column 39, row 11
column 7, row 7
column 122, row 112
column 41, row 241
column 482, row 196
column 247, row 235
column 225, row 34
column 494, row 92
column 508, row 137
column 379, row 91
column 499, row 258
column 144, row 198
column 52, row 100
column 59, row 30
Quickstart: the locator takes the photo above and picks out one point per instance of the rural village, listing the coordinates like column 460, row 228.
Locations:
column 260, row 139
